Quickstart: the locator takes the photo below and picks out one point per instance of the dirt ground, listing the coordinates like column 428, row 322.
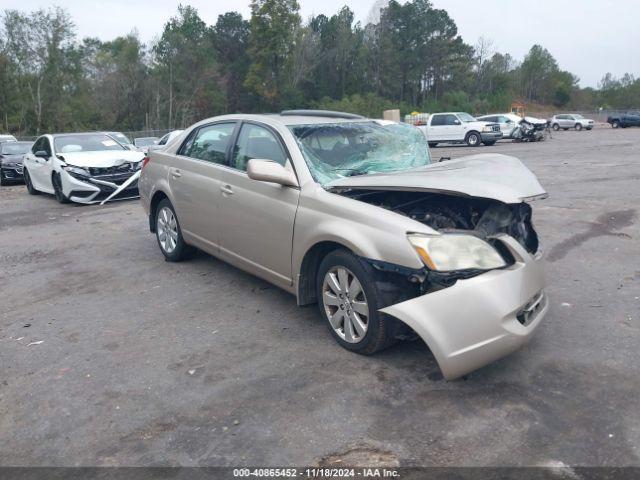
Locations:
column 144, row 362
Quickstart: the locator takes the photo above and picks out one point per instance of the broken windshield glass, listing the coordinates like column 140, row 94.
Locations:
column 337, row 150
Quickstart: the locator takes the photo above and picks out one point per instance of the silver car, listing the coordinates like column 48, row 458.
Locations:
column 566, row 121
column 351, row 213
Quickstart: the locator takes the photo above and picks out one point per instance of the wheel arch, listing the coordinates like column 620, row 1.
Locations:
column 157, row 197
column 306, row 278
column 471, row 132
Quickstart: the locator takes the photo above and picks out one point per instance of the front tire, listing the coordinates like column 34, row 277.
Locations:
column 556, row 127
column 348, row 300
column 3, row 181
column 169, row 234
column 488, row 144
column 57, row 189
column 473, row 139
column 27, row 180
column 578, row 127
column 615, row 124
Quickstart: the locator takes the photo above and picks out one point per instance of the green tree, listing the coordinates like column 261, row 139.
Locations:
column 119, row 80
column 40, row 46
column 274, row 24
column 185, row 68
column 231, row 39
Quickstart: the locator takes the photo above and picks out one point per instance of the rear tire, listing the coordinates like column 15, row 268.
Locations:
column 473, row 139
column 27, row 180
column 354, row 281
column 578, row 127
column 169, row 234
column 57, row 188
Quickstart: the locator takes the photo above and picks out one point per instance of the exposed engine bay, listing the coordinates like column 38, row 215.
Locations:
column 446, row 213
column 449, row 213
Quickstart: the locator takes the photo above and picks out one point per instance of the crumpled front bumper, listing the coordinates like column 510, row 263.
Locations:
column 11, row 173
column 97, row 190
column 480, row 319
column 491, row 136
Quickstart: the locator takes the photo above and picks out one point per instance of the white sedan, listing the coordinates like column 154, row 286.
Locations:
column 82, row 167
column 165, row 140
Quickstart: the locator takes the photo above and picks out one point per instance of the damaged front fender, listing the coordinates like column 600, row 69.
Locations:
column 480, row 319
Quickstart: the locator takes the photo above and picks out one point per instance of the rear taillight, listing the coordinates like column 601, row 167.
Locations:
column 145, row 160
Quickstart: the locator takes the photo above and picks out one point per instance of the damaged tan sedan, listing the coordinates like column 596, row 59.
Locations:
column 351, row 213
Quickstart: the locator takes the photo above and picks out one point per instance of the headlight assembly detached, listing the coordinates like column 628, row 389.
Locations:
column 76, row 172
column 449, row 252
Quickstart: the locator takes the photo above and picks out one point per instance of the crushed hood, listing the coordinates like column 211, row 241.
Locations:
column 495, row 176
column 107, row 158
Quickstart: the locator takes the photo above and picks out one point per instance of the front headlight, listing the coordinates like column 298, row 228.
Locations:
column 76, row 172
column 448, row 252
column 487, row 129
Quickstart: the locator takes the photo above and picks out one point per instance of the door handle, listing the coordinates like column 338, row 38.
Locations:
column 176, row 173
column 226, row 190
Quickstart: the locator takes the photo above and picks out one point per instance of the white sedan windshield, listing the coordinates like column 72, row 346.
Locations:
column 336, row 150
column 85, row 143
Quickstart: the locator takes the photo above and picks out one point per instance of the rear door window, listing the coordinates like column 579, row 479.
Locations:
column 210, row 143
column 438, row 120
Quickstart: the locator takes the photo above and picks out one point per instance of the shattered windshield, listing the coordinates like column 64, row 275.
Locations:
column 336, row 150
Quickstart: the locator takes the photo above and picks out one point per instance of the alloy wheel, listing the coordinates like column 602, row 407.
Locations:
column 345, row 304
column 167, row 228
column 473, row 140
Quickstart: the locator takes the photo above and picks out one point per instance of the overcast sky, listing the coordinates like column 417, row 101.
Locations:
column 588, row 38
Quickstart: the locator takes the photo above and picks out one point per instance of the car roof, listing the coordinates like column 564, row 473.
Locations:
column 449, row 113
column 75, row 134
column 286, row 120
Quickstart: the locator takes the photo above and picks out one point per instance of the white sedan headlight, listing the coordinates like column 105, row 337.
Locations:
column 487, row 128
column 449, row 252
column 76, row 171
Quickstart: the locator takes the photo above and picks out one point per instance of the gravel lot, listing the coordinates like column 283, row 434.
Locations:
column 145, row 362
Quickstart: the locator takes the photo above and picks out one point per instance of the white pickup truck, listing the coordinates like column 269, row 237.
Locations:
column 459, row 127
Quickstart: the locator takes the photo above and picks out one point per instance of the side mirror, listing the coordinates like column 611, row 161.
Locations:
column 41, row 154
column 456, row 122
column 270, row 171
